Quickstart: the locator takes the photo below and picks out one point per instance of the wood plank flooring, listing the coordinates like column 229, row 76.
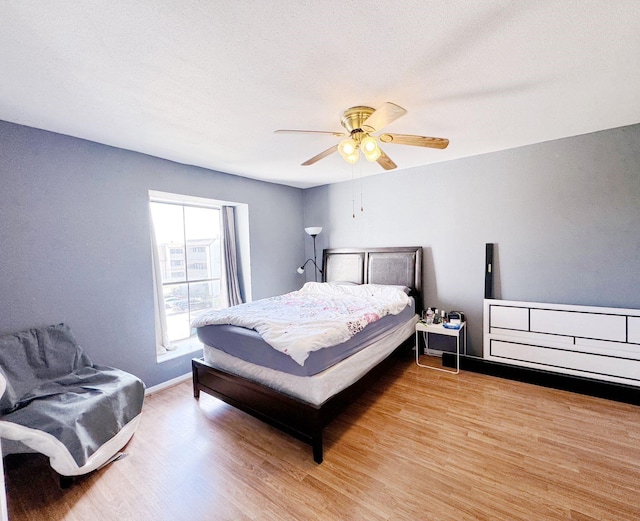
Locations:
column 421, row 445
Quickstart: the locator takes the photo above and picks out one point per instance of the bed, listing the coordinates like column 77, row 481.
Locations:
column 284, row 401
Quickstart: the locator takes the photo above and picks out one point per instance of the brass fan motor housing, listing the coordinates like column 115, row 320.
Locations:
column 353, row 118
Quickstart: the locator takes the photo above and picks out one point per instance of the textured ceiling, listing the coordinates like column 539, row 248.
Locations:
column 207, row 82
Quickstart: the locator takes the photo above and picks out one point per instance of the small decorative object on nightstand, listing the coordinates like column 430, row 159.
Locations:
column 448, row 329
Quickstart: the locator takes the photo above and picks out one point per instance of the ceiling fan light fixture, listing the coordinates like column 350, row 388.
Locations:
column 373, row 157
column 353, row 157
column 369, row 144
column 347, row 147
column 370, row 148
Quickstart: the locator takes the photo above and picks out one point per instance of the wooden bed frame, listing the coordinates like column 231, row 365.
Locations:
column 305, row 421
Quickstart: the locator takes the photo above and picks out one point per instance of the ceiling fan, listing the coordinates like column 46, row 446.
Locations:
column 360, row 123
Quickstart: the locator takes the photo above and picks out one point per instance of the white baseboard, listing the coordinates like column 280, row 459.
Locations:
column 167, row 384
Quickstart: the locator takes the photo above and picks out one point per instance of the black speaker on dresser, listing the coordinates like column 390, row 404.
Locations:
column 488, row 272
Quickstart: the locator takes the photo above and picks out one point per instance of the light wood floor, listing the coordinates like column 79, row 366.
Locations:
column 421, row 445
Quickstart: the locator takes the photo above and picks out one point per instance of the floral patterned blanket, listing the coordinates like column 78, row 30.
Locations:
column 318, row 315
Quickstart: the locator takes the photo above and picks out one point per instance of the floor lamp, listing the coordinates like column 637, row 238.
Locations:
column 313, row 231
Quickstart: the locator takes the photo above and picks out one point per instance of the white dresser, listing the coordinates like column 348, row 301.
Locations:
column 594, row 342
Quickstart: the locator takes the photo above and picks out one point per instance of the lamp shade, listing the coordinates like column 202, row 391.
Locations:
column 347, row 147
column 369, row 145
column 353, row 157
column 370, row 149
column 313, row 230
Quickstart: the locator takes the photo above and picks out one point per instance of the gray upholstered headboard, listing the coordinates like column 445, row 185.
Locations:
column 394, row 265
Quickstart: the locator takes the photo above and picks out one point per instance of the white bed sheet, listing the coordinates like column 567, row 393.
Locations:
column 320, row 387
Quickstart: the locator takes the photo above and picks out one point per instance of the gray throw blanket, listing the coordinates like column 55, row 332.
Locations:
column 52, row 386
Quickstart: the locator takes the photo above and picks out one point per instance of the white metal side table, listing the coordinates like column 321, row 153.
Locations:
column 439, row 329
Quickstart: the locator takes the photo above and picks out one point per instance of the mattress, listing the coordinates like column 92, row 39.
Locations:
column 248, row 345
column 318, row 388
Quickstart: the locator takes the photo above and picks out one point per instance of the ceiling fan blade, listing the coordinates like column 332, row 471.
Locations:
column 285, row 131
column 321, row 155
column 418, row 141
column 382, row 116
column 385, row 161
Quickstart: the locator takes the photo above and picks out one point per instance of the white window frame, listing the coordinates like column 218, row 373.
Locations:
column 192, row 344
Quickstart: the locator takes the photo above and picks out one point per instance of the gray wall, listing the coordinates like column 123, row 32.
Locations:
column 74, row 233
column 75, row 244
column 565, row 216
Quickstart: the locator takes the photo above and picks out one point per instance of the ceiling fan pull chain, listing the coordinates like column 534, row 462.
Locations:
column 353, row 193
column 361, row 183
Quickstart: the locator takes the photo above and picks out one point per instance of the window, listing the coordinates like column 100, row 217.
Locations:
column 188, row 235
column 191, row 277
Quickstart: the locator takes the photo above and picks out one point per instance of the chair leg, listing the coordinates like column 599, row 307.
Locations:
column 66, row 482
